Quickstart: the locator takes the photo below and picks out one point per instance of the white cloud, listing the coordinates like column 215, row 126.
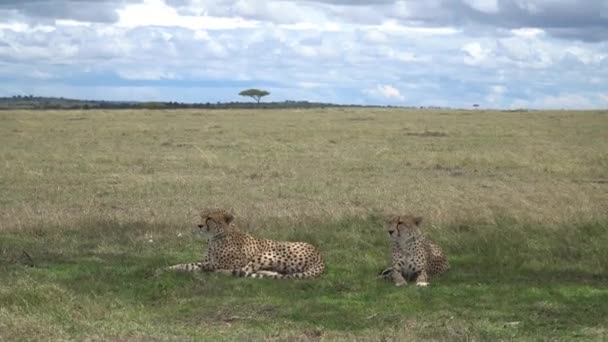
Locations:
column 309, row 85
column 284, row 12
column 498, row 89
column 475, row 53
column 519, row 104
column 487, row 6
column 375, row 36
column 495, row 97
column 528, row 32
column 561, row 101
column 146, row 74
column 385, row 91
column 157, row 13
column 586, row 56
column 14, row 26
column 524, row 52
column 319, row 50
column 70, row 22
column 307, row 26
column 406, row 56
column 566, row 101
column 393, row 26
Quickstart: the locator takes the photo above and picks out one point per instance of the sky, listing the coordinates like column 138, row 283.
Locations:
column 453, row 53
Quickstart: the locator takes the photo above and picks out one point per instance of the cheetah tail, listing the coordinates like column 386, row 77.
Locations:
column 192, row 267
column 385, row 273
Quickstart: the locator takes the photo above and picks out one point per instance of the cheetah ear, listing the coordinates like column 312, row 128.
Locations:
column 228, row 217
column 203, row 213
column 391, row 218
column 418, row 220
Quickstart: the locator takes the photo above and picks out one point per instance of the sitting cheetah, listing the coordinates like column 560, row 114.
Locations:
column 414, row 257
column 232, row 251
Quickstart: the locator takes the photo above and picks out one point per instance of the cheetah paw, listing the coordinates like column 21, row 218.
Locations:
column 399, row 284
column 422, row 284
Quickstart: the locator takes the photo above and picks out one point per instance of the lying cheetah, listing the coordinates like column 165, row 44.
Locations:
column 238, row 253
column 414, row 257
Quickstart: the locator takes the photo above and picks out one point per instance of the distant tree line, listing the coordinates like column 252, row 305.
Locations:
column 37, row 102
column 40, row 102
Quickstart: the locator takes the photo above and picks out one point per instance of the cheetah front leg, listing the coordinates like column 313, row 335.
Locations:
column 397, row 276
column 268, row 274
column 422, row 279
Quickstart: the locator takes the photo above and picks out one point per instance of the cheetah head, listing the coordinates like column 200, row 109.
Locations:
column 403, row 227
column 214, row 222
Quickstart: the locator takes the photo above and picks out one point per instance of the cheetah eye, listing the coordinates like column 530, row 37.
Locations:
column 391, row 232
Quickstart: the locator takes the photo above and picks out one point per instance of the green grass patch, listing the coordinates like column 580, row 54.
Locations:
column 507, row 282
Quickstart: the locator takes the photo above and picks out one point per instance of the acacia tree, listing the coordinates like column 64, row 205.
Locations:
column 255, row 94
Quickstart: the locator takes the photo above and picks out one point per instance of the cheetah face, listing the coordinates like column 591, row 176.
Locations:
column 209, row 228
column 214, row 222
column 404, row 227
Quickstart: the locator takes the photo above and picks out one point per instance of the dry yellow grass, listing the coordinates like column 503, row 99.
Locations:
column 161, row 166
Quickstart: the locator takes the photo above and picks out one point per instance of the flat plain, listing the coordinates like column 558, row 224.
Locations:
column 96, row 201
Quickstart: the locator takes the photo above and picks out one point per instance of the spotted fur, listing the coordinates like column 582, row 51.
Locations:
column 232, row 251
column 414, row 257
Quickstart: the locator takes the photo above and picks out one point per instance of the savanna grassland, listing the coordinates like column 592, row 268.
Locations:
column 93, row 202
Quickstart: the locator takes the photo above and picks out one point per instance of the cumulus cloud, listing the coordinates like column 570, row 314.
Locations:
column 560, row 101
column 48, row 10
column 572, row 15
column 385, row 91
column 566, row 19
column 498, row 53
column 475, row 53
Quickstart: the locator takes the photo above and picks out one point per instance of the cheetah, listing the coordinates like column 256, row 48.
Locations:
column 414, row 257
column 232, row 251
